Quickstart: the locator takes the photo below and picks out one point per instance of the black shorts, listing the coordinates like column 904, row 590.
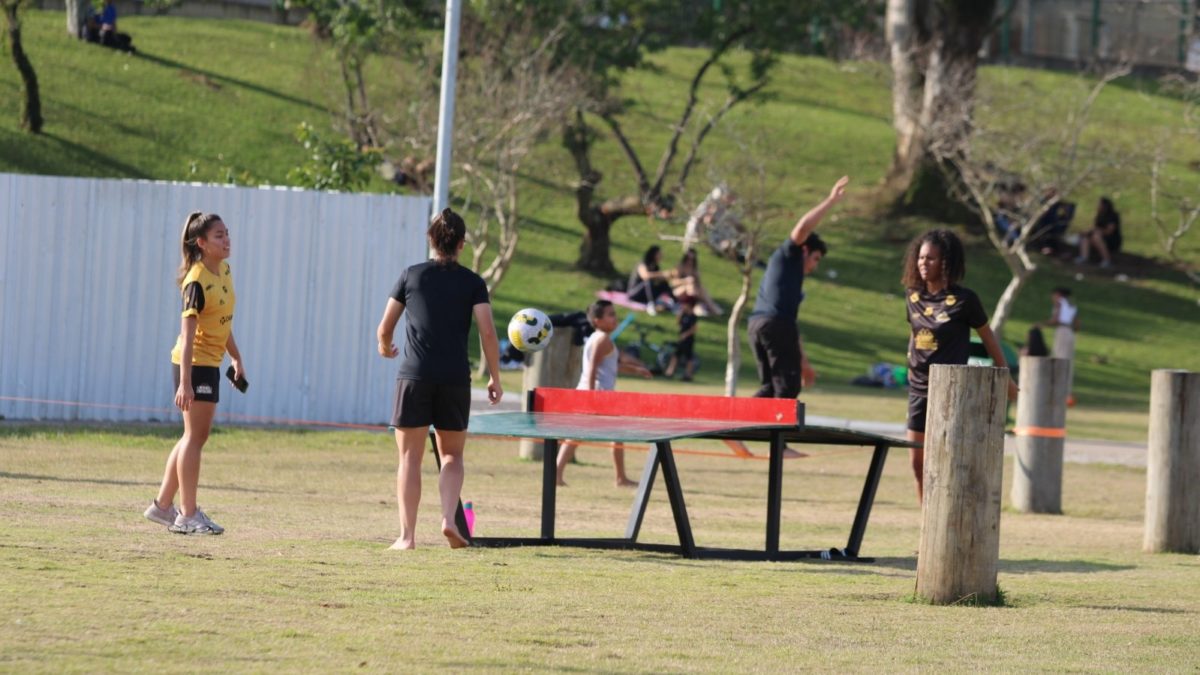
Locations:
column 685, row 350
column 419, row 404
column 917, row 408
column 206, row 382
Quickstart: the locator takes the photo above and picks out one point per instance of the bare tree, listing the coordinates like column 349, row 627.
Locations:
column 511, row 93
column 1012, row 178
column 720, row 220
column 1174, row 196
column 654, row 196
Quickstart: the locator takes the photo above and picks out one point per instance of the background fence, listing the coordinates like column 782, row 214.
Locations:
column 89, row 309
column 1142, row 32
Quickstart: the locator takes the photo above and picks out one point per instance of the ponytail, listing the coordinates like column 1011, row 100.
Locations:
column 195, row 227
column 446, row 232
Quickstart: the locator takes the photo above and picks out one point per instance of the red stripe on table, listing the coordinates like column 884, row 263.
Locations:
column 666, row 406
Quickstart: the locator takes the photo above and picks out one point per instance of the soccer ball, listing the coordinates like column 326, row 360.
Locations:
column 530, row 330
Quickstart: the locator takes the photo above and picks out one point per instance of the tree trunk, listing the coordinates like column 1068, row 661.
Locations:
column 77, row 11
column 596, row 246
column 934, row 54
column 31, row 101
column 733, row 330
column 1008, row 299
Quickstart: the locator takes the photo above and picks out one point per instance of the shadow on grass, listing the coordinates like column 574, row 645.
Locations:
column 170, row 63
column 1148, row 610
column 111, row 481
column 1030, row 566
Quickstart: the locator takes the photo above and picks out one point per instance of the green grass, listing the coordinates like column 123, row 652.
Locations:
column 303, row 580
column 226, row 95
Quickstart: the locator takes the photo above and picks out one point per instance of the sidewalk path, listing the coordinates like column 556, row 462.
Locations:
column 1083, row 451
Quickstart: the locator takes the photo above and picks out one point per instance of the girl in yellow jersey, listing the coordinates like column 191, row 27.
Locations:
column 206, row 333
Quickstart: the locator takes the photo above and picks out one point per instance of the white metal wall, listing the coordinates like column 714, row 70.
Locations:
column 89, row 309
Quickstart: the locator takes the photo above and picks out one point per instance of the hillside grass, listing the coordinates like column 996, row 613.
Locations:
column 303, row 581
column 206, row 99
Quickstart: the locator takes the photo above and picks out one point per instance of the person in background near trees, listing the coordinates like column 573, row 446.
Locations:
column 650, row 284
column 941, row 314
column 687, row 282
column 1104, row 237
column 434, row 383
column 205, row 334
column 686, row 342
column 1064, row 319
column 601, row 363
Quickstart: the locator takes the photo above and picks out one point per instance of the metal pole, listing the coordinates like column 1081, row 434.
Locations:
column 1095, row 28
column 441, row 182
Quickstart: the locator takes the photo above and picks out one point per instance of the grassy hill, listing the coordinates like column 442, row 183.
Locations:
column 203, row 99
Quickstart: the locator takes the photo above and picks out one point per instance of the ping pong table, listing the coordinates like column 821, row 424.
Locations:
column 553, row 414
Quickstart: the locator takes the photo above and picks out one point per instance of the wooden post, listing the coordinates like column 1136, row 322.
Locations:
column 1041, row 427
column 1173, row 463
column 558, row 365
column 964, row 468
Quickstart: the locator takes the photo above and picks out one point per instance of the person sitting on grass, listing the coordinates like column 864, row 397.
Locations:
column 1105, row 236
column 649, row 284
column 601, row 363
column 687, row 282
column 685, row 346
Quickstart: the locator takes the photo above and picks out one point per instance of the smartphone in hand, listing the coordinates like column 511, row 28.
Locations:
column 239, row 383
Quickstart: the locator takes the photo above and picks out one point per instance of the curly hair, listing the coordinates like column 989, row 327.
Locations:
column 446, row 232
column 954, row 265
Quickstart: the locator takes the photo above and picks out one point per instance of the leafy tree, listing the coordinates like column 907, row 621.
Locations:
column 333, row 164
column 31, row 100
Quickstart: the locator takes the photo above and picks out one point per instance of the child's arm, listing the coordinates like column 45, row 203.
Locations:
column 187, row 333
column 992, row 345
column 387, row 326
column 631, row 366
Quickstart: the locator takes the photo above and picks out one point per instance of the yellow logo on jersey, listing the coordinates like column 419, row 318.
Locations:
column 950, row 300
column 928, row 311
column 925, row 341
column 942, row 317
column 914, row 297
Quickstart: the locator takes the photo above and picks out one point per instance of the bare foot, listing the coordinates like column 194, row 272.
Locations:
column 560, row 483
column 456, row 540
column 792, row 453
column 402, row 545
column 625, row 482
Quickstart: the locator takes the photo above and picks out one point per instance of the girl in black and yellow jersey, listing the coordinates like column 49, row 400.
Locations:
column 206, row 333
column 941, row 314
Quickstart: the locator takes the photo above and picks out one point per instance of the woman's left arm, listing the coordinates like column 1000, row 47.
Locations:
column 239, row 370
column 992, row 345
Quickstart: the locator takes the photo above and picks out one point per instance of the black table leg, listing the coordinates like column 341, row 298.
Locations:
column 675, row 492
column 460, row 516
column 774, row 493
column 549, row 486
column 867, row 500
column 642, row 498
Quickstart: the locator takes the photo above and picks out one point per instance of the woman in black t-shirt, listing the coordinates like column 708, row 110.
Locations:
column 434, row 384
column 941, row 314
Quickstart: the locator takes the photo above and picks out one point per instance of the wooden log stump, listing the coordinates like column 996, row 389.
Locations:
column 1041, row 432
column 558, row 365
column 1173, row 464
column 964, row 467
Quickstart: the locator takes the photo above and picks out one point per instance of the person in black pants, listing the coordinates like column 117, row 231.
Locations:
column 782, row 365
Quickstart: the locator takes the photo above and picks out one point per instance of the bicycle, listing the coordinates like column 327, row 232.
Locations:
column 658, row 356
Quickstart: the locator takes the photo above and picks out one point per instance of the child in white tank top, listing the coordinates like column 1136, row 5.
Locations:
column 601, row 363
